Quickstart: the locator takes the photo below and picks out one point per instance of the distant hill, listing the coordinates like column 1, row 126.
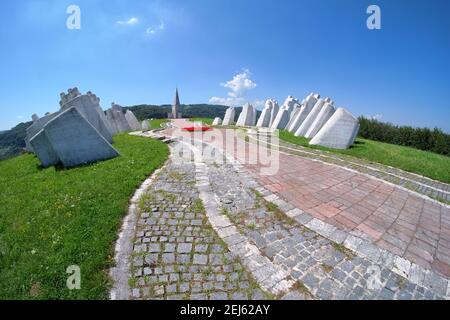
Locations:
column 13, row 141
column 146, row 111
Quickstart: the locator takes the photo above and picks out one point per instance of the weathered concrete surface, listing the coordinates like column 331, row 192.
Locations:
column 75, row 141
column 306, row 124
column 230, row 114
column 217, row 121
column 37, row 126
column 274, row 111
column 323, row 116
column 89, row 107
column 284, row 115
column 310, row 101
column 339, row 132
column 247, row 116
column 133, row 122
column 43, row 149
column 117, row 119
column 264, row 118
column 294, row 114
column 145, row 125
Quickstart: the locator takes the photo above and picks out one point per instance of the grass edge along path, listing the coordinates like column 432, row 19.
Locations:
column 51, row 219
column 425, row 163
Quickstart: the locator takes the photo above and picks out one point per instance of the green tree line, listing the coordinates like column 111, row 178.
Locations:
column 434, row 140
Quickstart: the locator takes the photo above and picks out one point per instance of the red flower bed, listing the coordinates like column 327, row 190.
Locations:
column 202, row 128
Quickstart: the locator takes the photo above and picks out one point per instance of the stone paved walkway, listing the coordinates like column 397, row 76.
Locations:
column 434, row 189
column 176, row 253
column 402, row 222
column 245, row 238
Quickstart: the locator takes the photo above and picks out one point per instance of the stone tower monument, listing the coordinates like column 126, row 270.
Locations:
column 175, row 114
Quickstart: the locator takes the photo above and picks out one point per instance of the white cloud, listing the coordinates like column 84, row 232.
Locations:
column 155, row 29
column 129, row 22
column 239, row 85
column 375, row 117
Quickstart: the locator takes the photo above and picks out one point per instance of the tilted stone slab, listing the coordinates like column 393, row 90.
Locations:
column 145, row 125
column 294, row 114
column 38, row 124
column 310, row 101
column 75, row 141
column 274, row 111
column 306, row 124
column 230, row 114
column 284, row 115
column 264, row 118
column 247, row 116
column 89, row 107
column 323, row 116
column 339, row 132
column 133, row 122
column 217, row 121
column 282, row 119
column 117, row 119
column 43, row 149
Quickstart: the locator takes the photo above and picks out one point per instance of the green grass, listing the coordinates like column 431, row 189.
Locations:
column 156, row 123
column 51, row 219
column 208, row 121
column 425, row 163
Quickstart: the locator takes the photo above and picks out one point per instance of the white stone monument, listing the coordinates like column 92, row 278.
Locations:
column 247, row 116
column 145, row 125
column 327, row 111
column 217, row 121
column 69, row 138
column 339, row 132
column 229, row 117
column 310, row 101
column 264, row 118
column 274, row 111
column 133, row 122
column 306, row 124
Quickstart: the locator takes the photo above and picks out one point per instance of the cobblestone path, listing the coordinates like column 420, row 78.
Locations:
column 262, row 245
column 176, row 253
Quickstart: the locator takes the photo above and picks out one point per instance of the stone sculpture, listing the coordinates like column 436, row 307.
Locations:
column 310, row 101
column 230, row 114
column 145, row 125
column 117, row 119
column 133, row 122
column 274, row 111
column 327, row 111
column 70, row 139
column 89, row 106
column 247, row 116
column 294, row 113
column 217, row 121
column 304, row 127
column 339, row 132
column 283, row 116
column 79, row 133
column 264, row 118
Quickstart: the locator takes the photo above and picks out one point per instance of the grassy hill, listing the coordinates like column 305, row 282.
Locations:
column 51, row 219
column 13, row 141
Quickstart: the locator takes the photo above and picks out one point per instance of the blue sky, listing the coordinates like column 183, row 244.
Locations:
column 137, row 51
